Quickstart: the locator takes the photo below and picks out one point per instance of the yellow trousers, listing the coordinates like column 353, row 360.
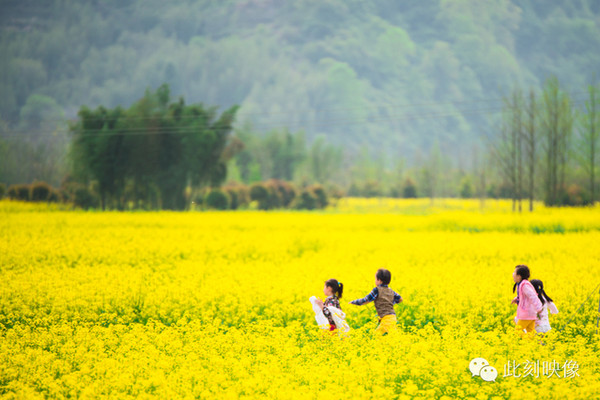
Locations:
column 525, row 326
column 386, row 324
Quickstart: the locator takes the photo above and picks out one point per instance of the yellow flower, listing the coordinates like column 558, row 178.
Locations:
column 215, row 305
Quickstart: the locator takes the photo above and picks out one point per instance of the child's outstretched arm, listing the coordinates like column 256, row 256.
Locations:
column 367, row 299
column 397, row 298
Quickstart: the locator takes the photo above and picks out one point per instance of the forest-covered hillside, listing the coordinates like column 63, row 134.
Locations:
column 393, row 77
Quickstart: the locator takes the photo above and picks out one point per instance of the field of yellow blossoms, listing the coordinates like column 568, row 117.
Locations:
column 214, row 305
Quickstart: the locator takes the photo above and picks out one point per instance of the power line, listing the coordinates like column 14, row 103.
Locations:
column 303, row 124
column 282, row 125
column 320, row 111
column 579, row 308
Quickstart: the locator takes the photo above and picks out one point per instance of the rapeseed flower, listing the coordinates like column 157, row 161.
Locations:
column 215, row 304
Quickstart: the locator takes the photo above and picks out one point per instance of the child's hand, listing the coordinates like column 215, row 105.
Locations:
column 514, row 301
column 319, row 302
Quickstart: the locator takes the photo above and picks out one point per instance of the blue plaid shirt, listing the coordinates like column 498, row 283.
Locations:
column 373, row 295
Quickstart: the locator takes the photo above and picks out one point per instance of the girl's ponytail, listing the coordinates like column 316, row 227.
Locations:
column 539, row 288
column 337, row 287
column 546, row 296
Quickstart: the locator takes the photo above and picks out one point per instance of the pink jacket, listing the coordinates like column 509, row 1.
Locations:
column 529, row 303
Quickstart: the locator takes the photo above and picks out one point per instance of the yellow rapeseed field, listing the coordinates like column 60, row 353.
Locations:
column 214, row 305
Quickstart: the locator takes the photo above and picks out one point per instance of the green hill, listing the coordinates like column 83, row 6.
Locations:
column 388, row 75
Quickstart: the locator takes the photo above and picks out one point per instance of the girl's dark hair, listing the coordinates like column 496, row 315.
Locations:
column 523, row 272
column 338, row 287
column 384, row 276
column 539, row 288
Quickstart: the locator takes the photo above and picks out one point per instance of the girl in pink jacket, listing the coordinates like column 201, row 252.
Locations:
column 528, row 303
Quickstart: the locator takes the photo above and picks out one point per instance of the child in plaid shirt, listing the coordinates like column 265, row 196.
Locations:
column 384, row 299
column 333, row 290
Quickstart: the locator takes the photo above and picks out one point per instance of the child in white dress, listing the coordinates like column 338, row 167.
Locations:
column 542, row 324
column 328, row 313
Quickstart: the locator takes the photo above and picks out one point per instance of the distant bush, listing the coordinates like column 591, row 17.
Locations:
column 198, row 200
column 307, row 200
column 217, row 199
column 395, row 192
column 505, row 191
column 282, row 192
column 243, row 194
column 239, row 195
column 65, row 188
column 335, row 191
column 83, row 197
column 466, row 189
column 371, row 188
column 274, row 198
column 311, row 198
column 2, row 190
column 67, row 192
column 260, row 193
column 55, row 196
column 40, row 191
column 573, row 195
column 492, row 191
column 321, row 196
column 353, row 190
column 232, row 193
column 18, row 192
column 276, row 193
column 410, row 189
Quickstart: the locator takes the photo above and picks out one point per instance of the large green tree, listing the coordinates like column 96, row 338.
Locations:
column 155, row 146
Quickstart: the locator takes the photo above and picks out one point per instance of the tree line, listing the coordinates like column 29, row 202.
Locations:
column 164, row 154
column 161, row 153
column 548, row 144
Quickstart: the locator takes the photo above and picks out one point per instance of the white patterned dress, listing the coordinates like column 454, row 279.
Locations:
column 542, row 324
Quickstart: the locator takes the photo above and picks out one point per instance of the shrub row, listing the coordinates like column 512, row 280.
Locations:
column 71, row 192
column 272, row 194
column 269, row 195
column 372, row 188
column 37, row 192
